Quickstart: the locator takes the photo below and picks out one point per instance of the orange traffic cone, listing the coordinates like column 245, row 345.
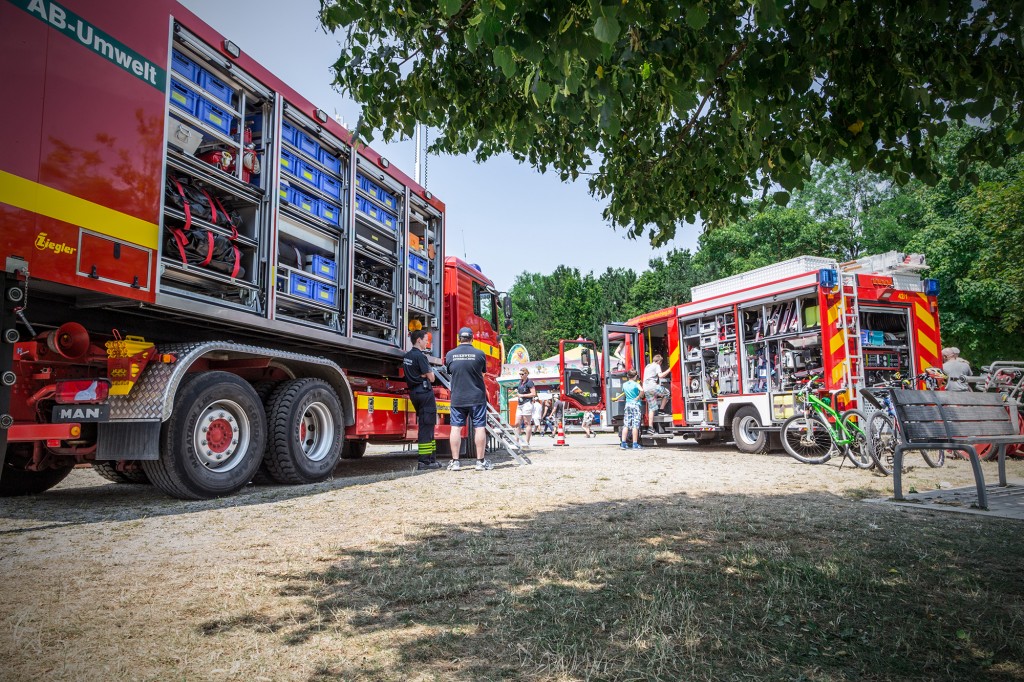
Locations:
column 561, row 435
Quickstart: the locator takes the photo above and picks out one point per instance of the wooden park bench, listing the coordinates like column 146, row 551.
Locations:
column 957, row 421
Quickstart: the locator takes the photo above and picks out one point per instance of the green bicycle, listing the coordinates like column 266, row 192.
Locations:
column 818, row 434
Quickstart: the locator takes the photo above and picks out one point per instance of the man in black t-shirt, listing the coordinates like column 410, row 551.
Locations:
column 419, row 377
column 466, row 366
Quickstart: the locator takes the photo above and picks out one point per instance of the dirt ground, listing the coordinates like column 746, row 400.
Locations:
column 100, row 581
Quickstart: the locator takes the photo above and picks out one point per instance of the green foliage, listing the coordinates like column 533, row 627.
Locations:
column 973, row 238
column 691, row 108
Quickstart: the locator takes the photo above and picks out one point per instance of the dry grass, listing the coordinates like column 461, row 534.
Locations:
column 593, row 564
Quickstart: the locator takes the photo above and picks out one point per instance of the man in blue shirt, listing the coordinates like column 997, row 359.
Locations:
column 466, row 366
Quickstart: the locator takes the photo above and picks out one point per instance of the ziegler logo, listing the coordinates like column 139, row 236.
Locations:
column 44, row 243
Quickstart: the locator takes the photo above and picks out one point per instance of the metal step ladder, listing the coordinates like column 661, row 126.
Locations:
column 850, row 321
column 500, row 434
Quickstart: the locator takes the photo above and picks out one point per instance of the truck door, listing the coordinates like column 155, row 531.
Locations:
column 620, row 356
column 580, row 379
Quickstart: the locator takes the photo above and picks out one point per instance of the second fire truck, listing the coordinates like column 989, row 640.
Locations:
column 740, row 349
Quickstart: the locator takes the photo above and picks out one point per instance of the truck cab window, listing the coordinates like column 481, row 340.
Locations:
column 483, row 304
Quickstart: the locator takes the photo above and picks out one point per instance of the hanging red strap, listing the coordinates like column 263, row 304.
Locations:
column 184, row 200
column 227, row 218
column 181, row 241
column 213, row 207
column 238, row 261
column 209, row 249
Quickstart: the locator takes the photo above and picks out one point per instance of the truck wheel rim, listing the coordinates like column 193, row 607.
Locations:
column 747, row 426
column 222, row 436
column 315, row 432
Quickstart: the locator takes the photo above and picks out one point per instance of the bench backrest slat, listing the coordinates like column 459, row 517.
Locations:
column 957, row 413
column 940, row 416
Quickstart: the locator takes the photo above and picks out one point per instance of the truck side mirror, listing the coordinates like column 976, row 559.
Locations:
column 506, row 309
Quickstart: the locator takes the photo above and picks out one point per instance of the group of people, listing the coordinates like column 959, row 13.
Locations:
column 541, row 411
column 466, row 366
column 534, row 409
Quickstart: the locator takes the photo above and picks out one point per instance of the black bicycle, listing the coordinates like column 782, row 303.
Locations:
column 883, row 429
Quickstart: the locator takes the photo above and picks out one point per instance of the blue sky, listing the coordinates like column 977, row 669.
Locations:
column 503, row 215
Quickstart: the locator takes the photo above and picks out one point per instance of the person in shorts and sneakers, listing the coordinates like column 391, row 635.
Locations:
column 587, row 423
column 419, row 378
column 631, row 414
column 653, row 390
column 527, row 392
column 466, row 366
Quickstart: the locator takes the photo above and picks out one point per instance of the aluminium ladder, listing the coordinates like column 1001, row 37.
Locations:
column 849, row 321
column 501, row 434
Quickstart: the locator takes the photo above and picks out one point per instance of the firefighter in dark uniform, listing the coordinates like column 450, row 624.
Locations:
column 419, row 377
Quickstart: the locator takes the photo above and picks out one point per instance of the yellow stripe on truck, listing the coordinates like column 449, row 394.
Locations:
column 383, row 403
column 388, row 403
column 488, row 349
column 52, row 203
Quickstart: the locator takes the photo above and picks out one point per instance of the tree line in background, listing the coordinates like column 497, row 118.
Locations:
column 972, row 234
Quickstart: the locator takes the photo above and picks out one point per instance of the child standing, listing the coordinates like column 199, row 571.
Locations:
column 632, row 391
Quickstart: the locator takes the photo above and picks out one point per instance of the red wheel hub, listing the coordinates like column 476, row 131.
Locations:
column 219, row 435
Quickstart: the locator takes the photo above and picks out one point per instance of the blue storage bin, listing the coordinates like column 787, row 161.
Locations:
column 320, row 265
column 418, row 264
column 378, row 214
column 325, row 293
column 183, row 98
column 330, row 185
column 329, row 212
column 287, row 193
column 329, row 161
column 307, row 173
column 289, row 163
column 288, row 132
column 214, row 115
column 379, row 193
column 185, row 66
column 306, row 202
column 307, row 144
column 216, row 86
column 301, row 286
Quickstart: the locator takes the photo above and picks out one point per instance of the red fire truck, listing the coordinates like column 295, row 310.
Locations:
column 202, row 274
column 738, row 351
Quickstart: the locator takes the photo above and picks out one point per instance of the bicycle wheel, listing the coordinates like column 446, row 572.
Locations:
column 859, row 450
column 882, row 439
column 807, row 439
column 935, row 458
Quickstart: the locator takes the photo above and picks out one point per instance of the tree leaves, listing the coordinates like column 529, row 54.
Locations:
column 695, row 108
column 697, row 17
column 504, row 59
column 450, row 7
column 606, row 29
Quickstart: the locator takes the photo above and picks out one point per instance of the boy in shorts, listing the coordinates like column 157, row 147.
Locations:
column 631, row 415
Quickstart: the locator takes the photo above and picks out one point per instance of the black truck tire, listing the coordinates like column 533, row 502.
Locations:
column 15, row 481
column 214, row 441
column 264, row 389
column 109, row 471
column 306, row 430
column 354, row 449
column 747, row 439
